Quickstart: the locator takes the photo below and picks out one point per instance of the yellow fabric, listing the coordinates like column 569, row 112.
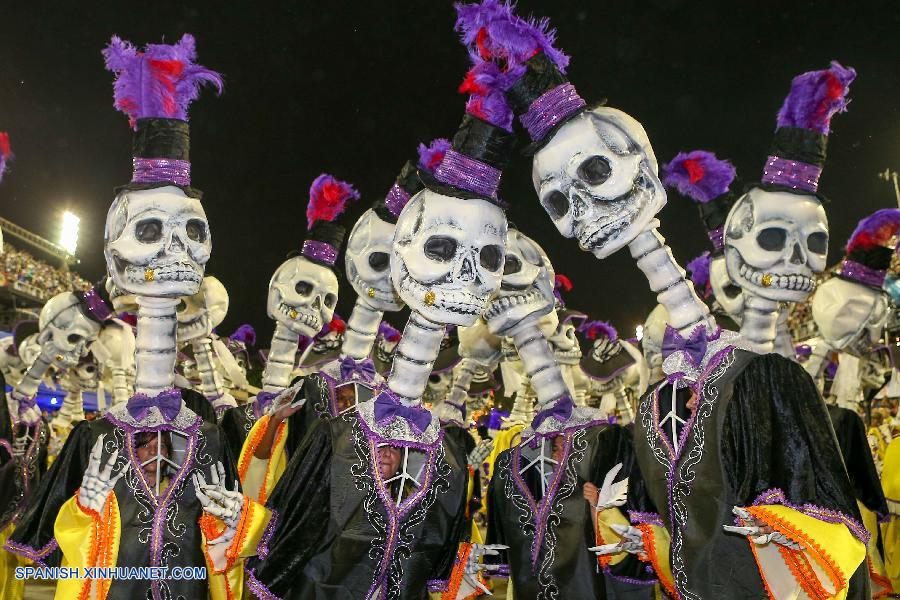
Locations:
column 606, row 534
column 10, row 587
column 830, row 549
column 228, row 583
column 262, row 475
column 87, row 540
column 504, row 440
column 881, row 585
column 656, row 547
column 890, row 531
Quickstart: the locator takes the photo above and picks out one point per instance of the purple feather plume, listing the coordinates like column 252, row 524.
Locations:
column 803, row 350
column 328, row 197
column 877, row 229
column 699, row 175
column 486, row 85
column 159, row 81
column 594, row 330
column 388, row 332
column 492, row 31
column 698, row 269
column 815, row 97
column 245, row 333
column 430, row 156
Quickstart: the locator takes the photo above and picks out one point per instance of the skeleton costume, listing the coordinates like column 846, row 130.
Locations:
column 745, row 435
column 608, row 362
column 103, row 504
column 348, row 523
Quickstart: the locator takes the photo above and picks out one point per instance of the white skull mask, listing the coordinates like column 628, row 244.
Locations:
column 199, row 314
column 157, row 242
column 850, row 316
column 775, row 242
column 565, row 343
column 65, row 331
column 729, row 296
column 526, row 289
column 368, row 262
column 597, row 179
column 302, row 296
column 447, row 258
column 86, row 373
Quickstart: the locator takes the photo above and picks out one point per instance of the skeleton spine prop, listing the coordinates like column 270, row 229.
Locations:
column 776, row 235
column 211, row 385
column 414, row 356
column 304, row 290
column 155, row 352
column 362, row 328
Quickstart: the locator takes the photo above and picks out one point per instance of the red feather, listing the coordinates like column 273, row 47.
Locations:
column 328, row 197
column 5, row 150
column 694, row 169
column 564, row 283
column 337, row 324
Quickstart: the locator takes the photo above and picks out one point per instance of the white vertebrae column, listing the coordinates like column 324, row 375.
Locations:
column 537, row 357
column 667, row 279
column 817, row 361
column 759, row 322
column 155, row 345
column 211, row 385
column 121, row 391
column 362, row 328
column 28, row 387
column 784, row 343
column 72, row 408
column 414, row 357
column 280, row 361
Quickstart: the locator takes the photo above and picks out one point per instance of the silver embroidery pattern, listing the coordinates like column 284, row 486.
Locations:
column 183, row 420
column 503, row 470
column 582, row 416
column 398, row 429
column 362, row 481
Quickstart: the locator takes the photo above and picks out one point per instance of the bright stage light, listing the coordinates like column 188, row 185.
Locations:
column 68, row 235
column 639, row 332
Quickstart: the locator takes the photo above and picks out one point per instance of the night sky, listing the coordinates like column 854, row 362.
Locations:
column 350, row 88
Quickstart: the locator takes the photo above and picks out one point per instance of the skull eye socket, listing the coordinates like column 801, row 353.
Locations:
column 196, row 230
column 512, row 265
column 304, row 288
column 817, row 242
column 89, row 368
column 595, row 170
column 441, row 248
column 148, row 231
column 556, row 204
column 330, row 300
column 73, row 338
column 379, row 261
column 182, row 306
column 491, row 257
column 772, row 238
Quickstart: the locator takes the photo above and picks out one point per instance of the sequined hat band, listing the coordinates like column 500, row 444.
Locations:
column 551, row 108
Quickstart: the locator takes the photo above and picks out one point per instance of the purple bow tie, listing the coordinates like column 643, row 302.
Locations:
column 168, row 403
column 388, row 408
column 561, row 411
column 365, row 368
column 694, row 346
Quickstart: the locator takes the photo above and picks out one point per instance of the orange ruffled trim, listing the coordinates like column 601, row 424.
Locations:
column 208, row 525
column 459, row 569
column 100, row 549
column 240, row 537
column 602, row 559
column 803, row 572
column 253, row 443
column 651, row 557
column 879, row 580
column 275, row 442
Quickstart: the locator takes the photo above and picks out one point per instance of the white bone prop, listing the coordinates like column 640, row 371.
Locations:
column 28, row 387
column 211, row 384
column 784, row 343
column 199, row 314
column 453, row 406
column 361, row 331
column 280, row 360
column 415, row 354
column 72, row 408
column 759, row 325
column 237, row 376
column 115, row 348
column 480, row 352
column 155, row 351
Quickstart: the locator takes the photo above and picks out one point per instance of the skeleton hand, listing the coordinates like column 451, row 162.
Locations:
column 758, row 532
column 99, row 481
column 24, row 409
column 632, row 542
column 282, row 405
column 470, row 583
column 223, row 403
column 480, row 453
column 612, row 494
column 219, row 501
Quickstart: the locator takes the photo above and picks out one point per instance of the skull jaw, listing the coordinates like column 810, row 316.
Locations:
column 785, row 287
column 380, row 294
column 510, row 308
column 169, row 279
column 450, row 307
column 718, row 280
column 604, row 239
column 193, row 329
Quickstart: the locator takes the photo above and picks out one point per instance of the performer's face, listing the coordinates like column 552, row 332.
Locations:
column 149, row 449
column 388, row 461
column 559, row 444
column 345, row 396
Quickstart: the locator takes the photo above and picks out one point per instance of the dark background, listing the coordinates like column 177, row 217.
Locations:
column 350, row 88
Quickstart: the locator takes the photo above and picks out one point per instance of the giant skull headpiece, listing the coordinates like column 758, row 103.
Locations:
column 199, row 314
column 65, row 330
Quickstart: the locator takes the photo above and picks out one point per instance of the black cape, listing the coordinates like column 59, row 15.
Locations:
column 851, row 436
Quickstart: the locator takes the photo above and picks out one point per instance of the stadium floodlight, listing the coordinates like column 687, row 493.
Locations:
column 68, row 236
column 639, row 332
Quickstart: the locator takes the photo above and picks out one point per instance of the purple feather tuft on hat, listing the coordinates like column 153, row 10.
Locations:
column 430, row 156
column 803, row 350
column 245, row 333
column 594, row 330
column 815, row 97
column 699, row 175
column 878, row 229
column 388, row 332
column 698, row 269
column 486, row 86
column 328, row 197
column 5, row 152
column 160, row 81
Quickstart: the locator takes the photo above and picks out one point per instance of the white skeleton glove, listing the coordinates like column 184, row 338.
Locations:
column 30, row 416
column 470, row 583
column 480, row 453
column 632, row 542
column 758, row 532
column 224, row 402
column 285, row 399
column 219, row 501
column 612, row 494
column 99, row 481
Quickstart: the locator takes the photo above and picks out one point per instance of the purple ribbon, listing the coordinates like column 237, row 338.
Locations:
column 96, row 305
column 694, row 346
column 717, row 237
column 155, row 170
column 466, row 173
column 26, row 403
column 320, row 251
column 551, row 108
column 264, row 399
column 792, row 173
column 861, row 273
column 364, row 368
column 388, row 407
column 396, row 199
column 561, row 411
column 168, row 403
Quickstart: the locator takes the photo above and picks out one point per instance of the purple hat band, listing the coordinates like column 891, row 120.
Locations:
column 551, row 108
column 156, row 170
column 96, row 305
column 320, row 251
column 717, row 237
column 792, row 173
column 396, row 199
column 851, row 269
column 467, row 173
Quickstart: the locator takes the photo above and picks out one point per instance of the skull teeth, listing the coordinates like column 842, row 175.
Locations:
column 503, row 303
column 298, row 315
column 799, row 283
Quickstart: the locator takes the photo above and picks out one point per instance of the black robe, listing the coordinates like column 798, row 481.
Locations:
column 760, row 425
column 334, row 536
column 163, row 533
column 854, row 443
column 548, row 538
